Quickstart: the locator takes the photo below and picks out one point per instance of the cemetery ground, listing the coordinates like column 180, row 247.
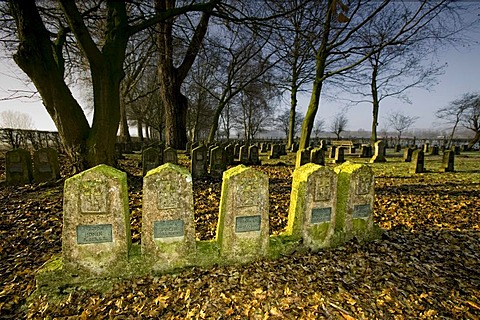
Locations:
column 426, row 265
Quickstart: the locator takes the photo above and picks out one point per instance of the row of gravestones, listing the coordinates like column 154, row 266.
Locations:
column 417, row 158
column 20, row 171
column 327, row 208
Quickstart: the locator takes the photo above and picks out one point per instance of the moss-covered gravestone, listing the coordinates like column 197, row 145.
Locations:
column 302, row 157
column 242, row 230
column 313, row 200
column 170, row 155
column 317, row 156
column 168, row 226
column 96, row 224
column 45, row 165
column 355, row 197
column 18, row 167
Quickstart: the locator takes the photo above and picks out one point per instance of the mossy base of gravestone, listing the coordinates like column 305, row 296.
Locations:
column 355, row 199
column 96, row 223
column 243, row 227
column 312, row 212
column 168, row 225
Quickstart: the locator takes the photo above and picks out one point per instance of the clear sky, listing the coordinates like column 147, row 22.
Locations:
column 462, row 75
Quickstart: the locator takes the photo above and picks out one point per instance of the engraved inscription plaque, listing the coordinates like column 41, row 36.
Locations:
column 99, row 233
column 15, row 167
column 322, row 188
column 44, row 167
column 320, row 215
column 361, row 211
column 168, row 229
column 93, row 198
column 247, row 223
column 167, row 195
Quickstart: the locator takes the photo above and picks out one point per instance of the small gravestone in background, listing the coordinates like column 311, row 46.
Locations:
column 242, row 229
column 236, row 150
column 448, row 162
column 243, row 155
column 355, row 199
column 418, row 162
column 199, row 162
column 274, row 152
column 426, row 148
column 150, row 159
column 317, row 156
column 253, row 157
column 379, row 155
column 170, row 155
column 365, row 151
column 435, row 150
column 313, row 200
column 407, row 154
column 230, row 154
column 303, row 157
column 168, row 225
column 218, row 162
column 96, row 223
column 323, row 145
column 18, row 167
column 331, row 152
column 45, row 165
column 456, row 149
column 339, row 155
column 398, row 147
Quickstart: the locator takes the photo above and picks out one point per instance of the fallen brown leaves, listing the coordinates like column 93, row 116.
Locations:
column 427, row 264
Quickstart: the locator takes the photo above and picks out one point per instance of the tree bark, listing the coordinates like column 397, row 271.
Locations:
column 375, row 104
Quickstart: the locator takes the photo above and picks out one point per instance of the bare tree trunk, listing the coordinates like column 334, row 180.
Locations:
column 375, row 104
column 124, row 130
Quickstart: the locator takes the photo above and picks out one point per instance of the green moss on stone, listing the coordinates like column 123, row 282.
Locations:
column 280, row 245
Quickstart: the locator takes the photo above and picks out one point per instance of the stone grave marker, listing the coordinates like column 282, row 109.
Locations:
column 18, row 167
column 355, row 199
column 331, row 152
column 302, row 157
column 435, row 150
column 365, row 151
column 230, row 154
column 151, row 159
column 313, row 202
column 170, row 155
column 242, row 229
column 339, row 155
column 198, row 165
column 253, row 157
column 456, row 149
column 274, row 152
column 218, row 162
column 168, row 225
column 236, row 150
column 379, row 155
column 398, row 148
column 243, row 154
column 45, row 165
column 418, row 161
column 317, row 156
column 323, row 145
column 426, row 148
column 407, row 154
column 96, row 223
column 448, row 162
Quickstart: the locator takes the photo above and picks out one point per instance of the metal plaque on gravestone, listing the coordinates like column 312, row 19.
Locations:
column 248, row 223
column 361, row 211
column 99, row 233
column 168, row 229
column 320, row 215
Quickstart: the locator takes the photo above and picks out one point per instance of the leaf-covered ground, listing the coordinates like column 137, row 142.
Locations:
column 427, row 264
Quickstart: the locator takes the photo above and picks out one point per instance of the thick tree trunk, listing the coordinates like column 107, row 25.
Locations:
column 124, row 131
column 292, row 120
column 475, row 139
column 376, row 106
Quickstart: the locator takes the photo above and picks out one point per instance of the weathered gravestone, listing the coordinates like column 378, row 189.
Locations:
column 398, row 147
column 151, row 158
column 407, row 154
column 243, row 155
column 426, row 148
column 242, row 229
column 317, row 156
column 303, row 157
column 253, row 157
column 379, row 155
column 456, row 149
column 45, row 165
column 418, row 162
column 448, row 162
column 96, row 223
column 168, row 225
column 365, row 151
column 230, row 154
column 355, row 199
column 170, row 155
column 313, row 200
column 339, row 155
column 331, row 152
column 199, row 162
column 218, row 162
column 18, row 167
column 236, row 150
column 435, row 150
column 274, row 152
